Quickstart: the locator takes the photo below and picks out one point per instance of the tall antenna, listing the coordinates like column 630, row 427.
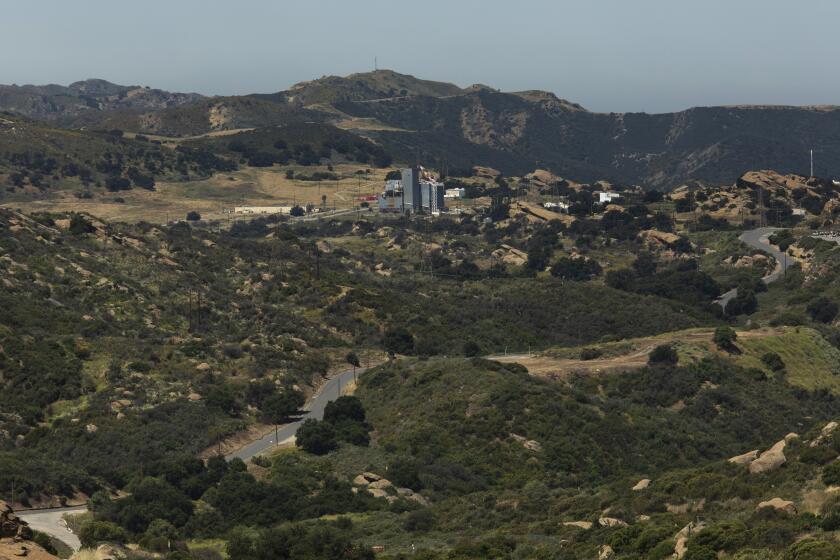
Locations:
column 812, row 162
column 375, row 63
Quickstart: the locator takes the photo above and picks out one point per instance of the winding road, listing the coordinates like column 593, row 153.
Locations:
column 51, row 521
column 759, row 239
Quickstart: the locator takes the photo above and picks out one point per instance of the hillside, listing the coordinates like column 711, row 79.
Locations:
column 440, row 122
column 86, row 101
column 518, row 134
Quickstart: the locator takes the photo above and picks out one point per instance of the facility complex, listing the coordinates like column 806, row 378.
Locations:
column 416, row 192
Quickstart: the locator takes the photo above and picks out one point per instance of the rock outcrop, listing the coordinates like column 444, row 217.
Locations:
column 611, row 522
column 380, row 487
column 15, row 537
column 770, row 460
column 779, row 505
column 744, row 459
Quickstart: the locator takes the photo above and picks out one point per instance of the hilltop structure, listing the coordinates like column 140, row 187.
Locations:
column 417, row 192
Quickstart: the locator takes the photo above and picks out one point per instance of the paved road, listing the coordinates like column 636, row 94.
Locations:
column 50, row 521
column 330, row 391
column 758, row 239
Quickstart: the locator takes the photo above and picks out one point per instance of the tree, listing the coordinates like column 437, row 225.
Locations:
column 773, row 361
column 664, row 354
column 344, row 408
column 398, row 340
column 297, row 211
column 96, row 532
column 645, row 264
column 80, row 226
column 278, row 407
column 578, row 269
column 724, row 338
column 316, row 437
column 822, row 310
column 471, row 349
column 353, row 360
column 745, row 303
column 193, row 216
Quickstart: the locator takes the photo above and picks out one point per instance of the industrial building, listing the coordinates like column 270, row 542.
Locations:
column 416, row 192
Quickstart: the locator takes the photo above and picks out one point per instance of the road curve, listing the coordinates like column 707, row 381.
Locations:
column 759, row 239
column 51, row 522
column 330, row 391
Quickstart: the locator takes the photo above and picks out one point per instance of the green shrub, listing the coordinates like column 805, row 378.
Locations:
column 97, row 532
column 831, row 474
column 663, row 354
column 316, row 437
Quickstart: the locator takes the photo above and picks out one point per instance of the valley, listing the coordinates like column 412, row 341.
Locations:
column 379, row 316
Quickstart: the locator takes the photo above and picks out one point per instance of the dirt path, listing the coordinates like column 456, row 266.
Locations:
column 636, row 355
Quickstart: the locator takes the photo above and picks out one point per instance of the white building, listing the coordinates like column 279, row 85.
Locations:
column 606, row 197
column 558, row 206
column 455, row 193
column 262, row 210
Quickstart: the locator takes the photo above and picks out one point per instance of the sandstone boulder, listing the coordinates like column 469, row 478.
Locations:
column 585, row 525
column 770, row 460
column 745, row 459
column 606, row 552
column 360, row 480
column 683, row 535
column 779, row 505
column 825, row 434
column 380, row 484
column 642, row 485
column 611, row 522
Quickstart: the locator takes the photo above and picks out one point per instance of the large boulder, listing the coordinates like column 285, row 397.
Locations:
column 770, row 460
column 683, row 535
column 611, row 522
column 585, row 525
column 606, row 552
column 744, row 459
column 825, row 434
column 642, row 485
column 779, row 505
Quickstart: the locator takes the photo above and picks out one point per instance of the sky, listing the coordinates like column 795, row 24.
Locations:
column 608, row 55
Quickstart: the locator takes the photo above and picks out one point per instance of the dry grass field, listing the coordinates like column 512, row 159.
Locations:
column 249, row 186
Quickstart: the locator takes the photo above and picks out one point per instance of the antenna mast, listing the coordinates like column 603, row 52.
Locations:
column 812, row 162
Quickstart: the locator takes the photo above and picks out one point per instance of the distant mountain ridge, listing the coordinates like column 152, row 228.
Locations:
column 444, row 124
column 86, row 101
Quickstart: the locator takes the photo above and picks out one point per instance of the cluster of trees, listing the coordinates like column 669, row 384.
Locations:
column 579, row 269
column 323, row 540
column 681, row 281
column 160, row 508
column 306, row 144
column 344, row 421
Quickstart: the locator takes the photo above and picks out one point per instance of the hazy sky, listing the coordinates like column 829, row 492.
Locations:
column 609, row 55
